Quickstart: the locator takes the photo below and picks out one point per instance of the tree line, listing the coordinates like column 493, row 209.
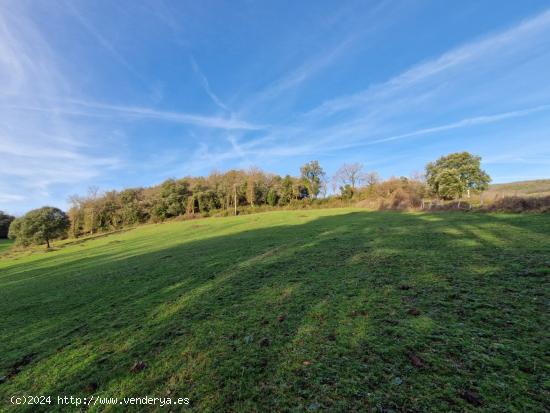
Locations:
column 5, row 221
column 449, row 177
column 218, row 193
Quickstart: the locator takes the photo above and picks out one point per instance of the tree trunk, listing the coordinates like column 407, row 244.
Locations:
column 47, row 243
column 235, row 188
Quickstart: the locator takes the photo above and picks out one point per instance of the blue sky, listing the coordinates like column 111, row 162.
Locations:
column 129, row 93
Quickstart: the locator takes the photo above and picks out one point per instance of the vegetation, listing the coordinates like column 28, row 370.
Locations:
column 314, row 178
column 452, row 176
column 317, row 310
column 238, row 191
column 520, row 204
column 217, row 194
column 5, row 221
column 39, row 226
column 537, row 187
column 5, row 245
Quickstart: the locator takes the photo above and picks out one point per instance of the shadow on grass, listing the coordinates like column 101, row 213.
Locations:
column 362, row 311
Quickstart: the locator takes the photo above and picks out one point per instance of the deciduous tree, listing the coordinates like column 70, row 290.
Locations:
column 39, row 226
column 349, row 174
column 312, row 175
column 456, row 174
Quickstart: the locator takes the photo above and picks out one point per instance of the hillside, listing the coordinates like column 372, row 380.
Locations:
column 340, row 310
column 5, row 245
column 536, row 187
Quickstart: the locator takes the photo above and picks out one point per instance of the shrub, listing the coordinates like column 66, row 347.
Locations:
column 520, row 204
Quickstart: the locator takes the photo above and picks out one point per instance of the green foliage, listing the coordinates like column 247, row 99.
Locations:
column 133, row 210
column 346, row 191
column 173, row 195
column 5, row 221
column 286, row 192
column 451, row 176
column 272, row 197
column 235, row 189
column 335, row 310
column 207, row 201
column 312, row 175
column 39, row 226
column 177, row 197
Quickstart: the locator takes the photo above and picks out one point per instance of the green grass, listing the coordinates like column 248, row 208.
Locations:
column 5, row 245
column 328, row 310
column 536, row 187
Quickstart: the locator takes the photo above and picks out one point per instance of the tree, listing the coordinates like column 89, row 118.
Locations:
column 251, row 190
column 174, row 195
column 299, row 190
column 89, row 204
column 371, row 178
column 286, row 190
column 207, row 201
column 272, row 197
column 76, row 215
column 346, row 192
column 39, row 226
column 5, row 221
column 456, row 174
column 349, row 174
column 312, row 175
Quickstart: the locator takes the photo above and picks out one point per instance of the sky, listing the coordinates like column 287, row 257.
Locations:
column 130, row 93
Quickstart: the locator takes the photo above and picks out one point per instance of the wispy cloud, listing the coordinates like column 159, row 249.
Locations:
column 74, row 107
column 316, row 62
column 55, row 135
column 391, row 110
column 38, row 151
column 101, row 39
column 300, row 74
column 473, row 121
column 206, row 85
column 486, row 51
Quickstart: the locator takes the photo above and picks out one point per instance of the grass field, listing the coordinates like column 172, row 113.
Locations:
column 537, row 187
column 5, row 244
column 322, row 310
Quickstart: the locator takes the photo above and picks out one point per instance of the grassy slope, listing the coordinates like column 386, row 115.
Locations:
column 289, row 310
column 537, row 187
column 5, row 245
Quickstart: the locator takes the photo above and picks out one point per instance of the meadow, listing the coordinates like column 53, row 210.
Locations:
column 5, row 245
column 313, row 310
column 537, row 187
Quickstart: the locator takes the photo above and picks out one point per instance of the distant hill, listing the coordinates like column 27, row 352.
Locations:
column 537, row 187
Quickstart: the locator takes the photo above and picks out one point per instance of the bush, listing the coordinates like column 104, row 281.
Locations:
column 520, row 204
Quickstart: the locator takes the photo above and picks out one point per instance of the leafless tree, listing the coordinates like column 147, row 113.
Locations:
column 348, row 174
column 371, row 178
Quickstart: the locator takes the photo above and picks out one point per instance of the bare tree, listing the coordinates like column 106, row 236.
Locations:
column 348, row 174
column 371, row 178
column 90, row 208
column 418, row 176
